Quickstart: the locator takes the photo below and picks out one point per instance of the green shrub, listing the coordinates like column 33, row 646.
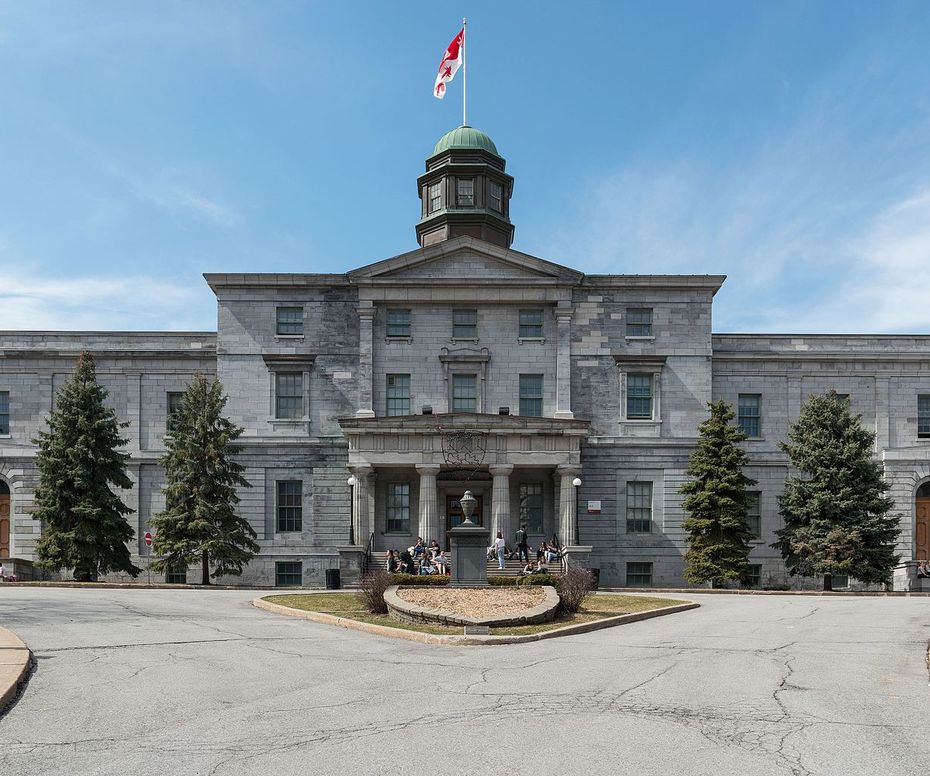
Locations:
column 415, row 579
column 529, row 579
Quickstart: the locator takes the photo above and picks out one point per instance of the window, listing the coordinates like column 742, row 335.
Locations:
column 397, row 508
column 496, row 197
column 639, row 322
column 638, row 574
column 398, row 395
column 435, row 197
column 843, row 397
column 465, row 324
column 175, row 577
column 288, row 573
column 531, row 324
column 464, row 393
column 290, row 505
column 531, row 506
column 398, row 323
column 754, row 577
column 754, row 515
column 290, row 321
column 639, row 396
column 923, row 415
column 749, row 414
column 465, row 192
column 840, row 580
column 639, row 507
column 289, row 395
column 174, row 406
column 531, row 399
column 4, row 412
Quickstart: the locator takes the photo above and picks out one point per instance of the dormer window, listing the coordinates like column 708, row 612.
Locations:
column 435, row 197
column 465, row 192
column 495, row 197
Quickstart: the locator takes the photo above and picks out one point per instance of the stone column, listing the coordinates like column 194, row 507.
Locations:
column 429, row 515
column 568, row 513
column 500, row 501
column 563, row 370
column 361, row 521
column 366, row 316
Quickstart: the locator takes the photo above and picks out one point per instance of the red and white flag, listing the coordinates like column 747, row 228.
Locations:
column 450, row 64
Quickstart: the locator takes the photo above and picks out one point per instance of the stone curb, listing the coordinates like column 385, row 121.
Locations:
column 459, row 641
column 713, row 591
column 422, row 615
column 15, row 659
column 144, row 586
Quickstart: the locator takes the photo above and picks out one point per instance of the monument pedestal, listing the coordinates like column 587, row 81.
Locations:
column 469, row 546
column 577, row 556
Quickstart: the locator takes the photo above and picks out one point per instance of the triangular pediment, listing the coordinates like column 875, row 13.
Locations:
column 467, row 259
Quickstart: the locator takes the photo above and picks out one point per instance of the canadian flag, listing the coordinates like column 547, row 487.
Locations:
column 450, row 64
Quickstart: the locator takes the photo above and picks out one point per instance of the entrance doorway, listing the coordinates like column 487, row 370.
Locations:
column 4, row 520
column 922, row 524
column 454, row 515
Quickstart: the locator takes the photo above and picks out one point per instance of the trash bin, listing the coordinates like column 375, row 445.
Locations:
column 595, row 578
column 332, row 579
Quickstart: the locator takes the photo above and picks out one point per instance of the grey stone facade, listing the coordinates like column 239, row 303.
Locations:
column 625, row 517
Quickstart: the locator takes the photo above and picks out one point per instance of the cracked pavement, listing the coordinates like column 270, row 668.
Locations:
column 200, row 682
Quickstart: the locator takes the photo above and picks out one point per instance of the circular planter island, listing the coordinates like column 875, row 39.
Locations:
column 482, row 606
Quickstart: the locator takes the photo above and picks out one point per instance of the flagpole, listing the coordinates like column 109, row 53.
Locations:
column 464, row 75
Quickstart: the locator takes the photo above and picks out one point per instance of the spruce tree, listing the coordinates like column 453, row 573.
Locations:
column 78, row 460
column 716, row 502
column 835, row 511
column 200, row 523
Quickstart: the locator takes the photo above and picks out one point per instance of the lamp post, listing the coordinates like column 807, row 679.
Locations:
column 352, row 482
column 576, row 483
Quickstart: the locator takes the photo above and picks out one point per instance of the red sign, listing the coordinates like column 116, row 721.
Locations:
column 148, row 538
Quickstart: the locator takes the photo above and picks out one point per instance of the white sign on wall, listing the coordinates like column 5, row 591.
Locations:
column 594, row 507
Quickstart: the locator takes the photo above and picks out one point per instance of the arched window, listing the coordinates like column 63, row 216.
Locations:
column 922, row 492
column 4, row 489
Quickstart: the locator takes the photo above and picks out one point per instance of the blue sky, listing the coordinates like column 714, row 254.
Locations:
column 784, row 144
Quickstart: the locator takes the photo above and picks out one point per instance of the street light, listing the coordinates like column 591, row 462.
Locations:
column 352, row 482
column 577, row 484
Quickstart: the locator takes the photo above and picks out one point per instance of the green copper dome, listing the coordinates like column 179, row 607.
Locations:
column 465, row 137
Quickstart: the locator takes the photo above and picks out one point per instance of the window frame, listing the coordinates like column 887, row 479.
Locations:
column 5, row 414
column 532, row 515
column 175, row 577
column 923, row 398
column 398, row 329
column 754, row 521
column 630, row 397
column 290, row 573
column 499, row 197
column 525, row 396
column 634, row 510
column 281, row 322
column 642, row 326
column 464, row 199
column 644, row 573
column 468, row 331
column 289, row 515
column 397, row 502
column 169, row 413
column 433, row 196
column 389, row 410
column 453, row 385
column 754, row 576
column 743, row 419
column 281, row 375
column 527, row 330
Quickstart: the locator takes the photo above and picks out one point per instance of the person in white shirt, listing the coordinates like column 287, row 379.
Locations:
column 2, row 573
column 500, row 547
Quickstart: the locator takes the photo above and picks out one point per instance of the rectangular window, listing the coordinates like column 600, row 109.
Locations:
column 465, row 192
column 290, row 505
column 290, row 321
column 465, row 324
column 840, row 580
column 639, row 507
column 923, row 415
column 397, row 508
column 844, row 397
column 398, row 395
column 754, row 515
column 639, row 322
column 464, row 393
column 754, row 577
column 289, row 395
column 531, row 324
column 639, row 397
column 288, row 573
column 435, row 197
column 531, row 506
column 4, row 412
column 749, row 414
column 531, row 399
column 173, row 407
column 173, row 577
column 398, row 323
column 496, row 197
column 638, row 574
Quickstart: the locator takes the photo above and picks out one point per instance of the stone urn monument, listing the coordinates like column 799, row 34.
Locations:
column 469, row 546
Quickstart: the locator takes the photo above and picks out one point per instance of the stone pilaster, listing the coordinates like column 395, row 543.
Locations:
column 568, row 512
column 428, row 512
column 563, row 369
column 366, row 316
column 361, row 521
column 500, row 501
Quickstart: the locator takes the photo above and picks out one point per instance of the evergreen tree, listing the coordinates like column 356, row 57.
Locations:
column 200, row 522
column 85, row 526
column 836, row 512
column 716, row 502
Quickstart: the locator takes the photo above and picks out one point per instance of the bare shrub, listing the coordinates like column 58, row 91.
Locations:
column 371, row 591
column 573, row 587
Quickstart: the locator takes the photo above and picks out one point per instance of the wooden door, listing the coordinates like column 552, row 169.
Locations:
column 5, row 526
column 922, row 530
column 454, row 514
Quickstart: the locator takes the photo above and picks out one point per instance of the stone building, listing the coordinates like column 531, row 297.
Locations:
column 353, row 388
